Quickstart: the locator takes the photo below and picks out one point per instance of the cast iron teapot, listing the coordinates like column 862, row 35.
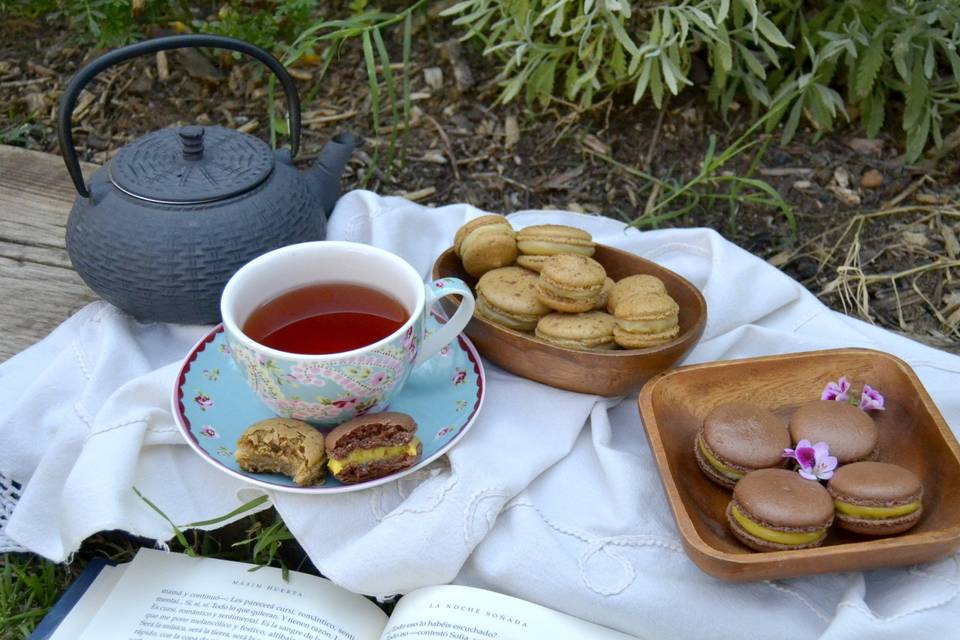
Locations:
column 165, row 223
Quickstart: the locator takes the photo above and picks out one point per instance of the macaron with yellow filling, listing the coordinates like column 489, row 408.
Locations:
column 551, row 239
column 571, row 283
column 876, row 498
column 372, row 446
column 850, row 432
column 508, row 296
column 777, row 510
column 485, row 243
column 737, row 438
column 646, row 321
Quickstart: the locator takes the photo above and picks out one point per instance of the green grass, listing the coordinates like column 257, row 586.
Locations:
column 29, row 585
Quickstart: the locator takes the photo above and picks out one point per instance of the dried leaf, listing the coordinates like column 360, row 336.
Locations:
column 433, row 76
column 163, row 66
column 511, row 129
column 915, row 238
column 950, row 242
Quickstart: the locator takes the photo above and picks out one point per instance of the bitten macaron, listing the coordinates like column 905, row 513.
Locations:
column 876, row 498
column 508, row 297
column 737, row 438
column 646, row 321
column 485, row 243
column 777, row 510
column 851, row 434
column 283, row 445
column 571, row 282
column 372, row 446
column 551, row 239
column 639, row 284
column 590, row 331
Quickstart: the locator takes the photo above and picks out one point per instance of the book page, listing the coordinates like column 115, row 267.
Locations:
column 171, row 596
column 464, row 613
column 89, row 603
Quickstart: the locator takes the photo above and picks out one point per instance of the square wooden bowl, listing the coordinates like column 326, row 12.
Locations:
column 913, row 434
column 605, row 373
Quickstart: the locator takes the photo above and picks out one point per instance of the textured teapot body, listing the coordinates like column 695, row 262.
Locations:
column 170, row 262
column 161, row 228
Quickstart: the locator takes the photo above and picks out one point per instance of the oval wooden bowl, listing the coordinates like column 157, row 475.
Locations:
column 610, row 373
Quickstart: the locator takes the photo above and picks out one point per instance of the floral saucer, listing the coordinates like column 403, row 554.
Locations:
column 213, row 405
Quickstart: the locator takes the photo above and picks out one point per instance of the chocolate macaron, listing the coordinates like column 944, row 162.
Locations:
column 508, row 297
column 737, row 438
column 876, row 498
column 372, row 446
column 777, row 510
column 850, row 433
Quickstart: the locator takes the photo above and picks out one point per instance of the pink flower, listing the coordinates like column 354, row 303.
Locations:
column 346, row 403
column 203, row 400
column 871, row 399
column 208, row 432
column 836, row 390
column 378, row 378
column 815, row 461
column 459, row 376
column 439, row 284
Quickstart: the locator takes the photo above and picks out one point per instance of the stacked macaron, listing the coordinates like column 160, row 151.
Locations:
column 744, row 448
column 558, row 291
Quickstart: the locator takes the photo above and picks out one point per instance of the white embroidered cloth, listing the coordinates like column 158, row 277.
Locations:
column 552, row 497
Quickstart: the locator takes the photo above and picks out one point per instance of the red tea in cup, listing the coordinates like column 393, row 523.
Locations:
column 323, row 318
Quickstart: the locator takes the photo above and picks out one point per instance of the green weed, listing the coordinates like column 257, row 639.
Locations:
column 29, row 586
column 796, row 58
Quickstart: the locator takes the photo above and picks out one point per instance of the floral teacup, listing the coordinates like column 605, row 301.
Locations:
column 332, row 388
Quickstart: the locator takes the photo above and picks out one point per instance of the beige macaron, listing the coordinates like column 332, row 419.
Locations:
column 534, row 263
column 591, row 331
column 551, row 239
column 604, row 298
column 634, row 285
column 646, row 321
column 485, row 243
column 508, row 297
column 571, row 282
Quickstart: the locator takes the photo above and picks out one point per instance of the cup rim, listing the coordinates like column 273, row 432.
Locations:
column 230, row 291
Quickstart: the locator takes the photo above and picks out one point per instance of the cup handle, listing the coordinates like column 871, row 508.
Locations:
column 448, row 332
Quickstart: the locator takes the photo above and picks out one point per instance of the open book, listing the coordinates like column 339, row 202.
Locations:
column 176, row 597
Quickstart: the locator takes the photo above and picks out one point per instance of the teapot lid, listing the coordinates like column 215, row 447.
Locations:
column 191, row 165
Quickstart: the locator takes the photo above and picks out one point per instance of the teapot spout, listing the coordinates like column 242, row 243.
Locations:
column 326, row 171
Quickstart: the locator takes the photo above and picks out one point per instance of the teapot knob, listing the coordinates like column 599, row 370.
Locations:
column 191, row 141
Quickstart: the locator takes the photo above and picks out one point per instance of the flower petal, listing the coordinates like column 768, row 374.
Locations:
column 806, row 474
column 821, row 449
column 806, row 456
column 844, row 384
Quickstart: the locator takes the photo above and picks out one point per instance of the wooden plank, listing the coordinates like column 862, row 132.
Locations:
column 39, row 288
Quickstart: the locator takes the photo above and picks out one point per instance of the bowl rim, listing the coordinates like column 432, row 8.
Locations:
column 694, row 332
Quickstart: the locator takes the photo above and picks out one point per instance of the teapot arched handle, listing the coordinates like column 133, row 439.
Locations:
column 85, row 75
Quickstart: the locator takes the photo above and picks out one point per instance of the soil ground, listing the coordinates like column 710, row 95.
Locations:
column 887, row 253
